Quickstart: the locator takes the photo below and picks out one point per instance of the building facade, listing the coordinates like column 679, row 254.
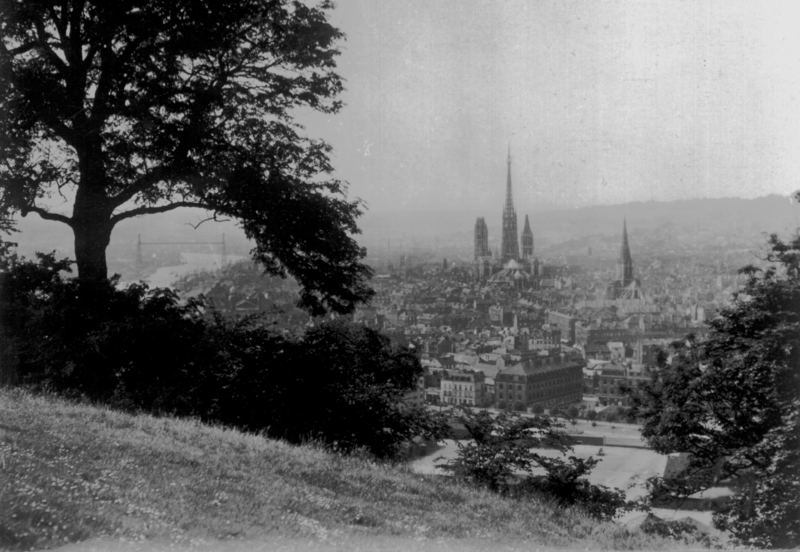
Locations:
column 509, row 267
column 548, row 381
column 463, row 387
column 614, row 382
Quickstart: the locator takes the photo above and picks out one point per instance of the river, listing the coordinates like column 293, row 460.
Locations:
column 190, row 263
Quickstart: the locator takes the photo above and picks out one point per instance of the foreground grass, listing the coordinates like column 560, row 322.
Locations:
column 71, row 472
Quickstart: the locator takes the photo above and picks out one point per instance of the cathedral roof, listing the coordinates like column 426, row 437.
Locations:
column 511, row 272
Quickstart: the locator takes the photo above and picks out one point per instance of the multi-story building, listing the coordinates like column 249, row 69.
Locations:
column 550, row 381
column 463, row 387
column 544, row 339
column 613, row 382
column 586, row 334
column 563, row 322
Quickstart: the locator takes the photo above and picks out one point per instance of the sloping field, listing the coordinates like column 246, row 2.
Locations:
column 112, row 481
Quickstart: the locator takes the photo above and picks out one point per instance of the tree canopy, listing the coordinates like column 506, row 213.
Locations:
column 136, row 107
column 339, row 384
column 733, row 402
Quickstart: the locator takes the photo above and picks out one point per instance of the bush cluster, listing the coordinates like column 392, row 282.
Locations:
column 145, row 349
column 504, row 455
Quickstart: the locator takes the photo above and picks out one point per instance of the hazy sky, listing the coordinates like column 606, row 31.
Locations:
column 602, row 101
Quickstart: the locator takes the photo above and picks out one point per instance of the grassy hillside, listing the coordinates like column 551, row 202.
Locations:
column 72, row 472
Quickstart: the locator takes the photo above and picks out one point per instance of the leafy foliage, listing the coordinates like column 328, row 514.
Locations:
column 766, row 511
column 340, row 384
column 346, row 385
column 683, row 529
column 502, row 457
column 143, row 106
column 732, row 402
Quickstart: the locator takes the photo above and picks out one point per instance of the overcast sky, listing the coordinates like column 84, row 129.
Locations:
column 602, row 101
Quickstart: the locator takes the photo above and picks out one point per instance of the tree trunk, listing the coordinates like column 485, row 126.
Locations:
column 91, row 241
column 91, row 224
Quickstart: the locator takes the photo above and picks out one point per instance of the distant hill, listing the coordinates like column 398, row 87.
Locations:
column 688, row 223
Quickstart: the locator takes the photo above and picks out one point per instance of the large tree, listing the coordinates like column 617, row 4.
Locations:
column 135, row 107
column 733, row 402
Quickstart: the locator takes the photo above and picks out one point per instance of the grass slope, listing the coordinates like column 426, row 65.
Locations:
column 71, row 472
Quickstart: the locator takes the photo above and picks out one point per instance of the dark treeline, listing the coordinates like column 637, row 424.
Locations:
column 144, row 349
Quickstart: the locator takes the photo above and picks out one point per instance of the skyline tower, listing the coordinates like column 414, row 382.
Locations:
column 625, row 262
column 481, row 239
column 509, row 245
column 527, row 241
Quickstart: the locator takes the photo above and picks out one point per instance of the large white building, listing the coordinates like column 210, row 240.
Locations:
column 463, row 387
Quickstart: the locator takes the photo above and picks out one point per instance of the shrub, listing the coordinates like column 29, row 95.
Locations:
column 344, row 384
column 145, row 349
column 675, row 529
column 502, row 457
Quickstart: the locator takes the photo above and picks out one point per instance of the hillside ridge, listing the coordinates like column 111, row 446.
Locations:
column 76, row 473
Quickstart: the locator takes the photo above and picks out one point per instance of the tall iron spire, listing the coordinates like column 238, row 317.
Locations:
column 509, row 248
column 509, row 198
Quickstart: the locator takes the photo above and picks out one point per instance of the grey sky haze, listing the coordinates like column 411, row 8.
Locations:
column 602, row 101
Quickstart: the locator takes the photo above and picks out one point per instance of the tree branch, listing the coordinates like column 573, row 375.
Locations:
column 22, row 48
column 207, row 219
column 74, row 53
column 45, row 214
column 59, row 22
column 145, row 181
column 48, row 52
column 108, row 64
column 141, row 184
column 156, row 209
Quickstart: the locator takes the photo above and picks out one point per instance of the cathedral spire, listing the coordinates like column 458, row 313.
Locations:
column 509, row 198
column 625, row 263
column 510, row 242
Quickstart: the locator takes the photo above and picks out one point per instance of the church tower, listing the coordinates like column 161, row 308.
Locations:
column 481, row 239
column 527, row 241
column 509, row 248
column 625, row 262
